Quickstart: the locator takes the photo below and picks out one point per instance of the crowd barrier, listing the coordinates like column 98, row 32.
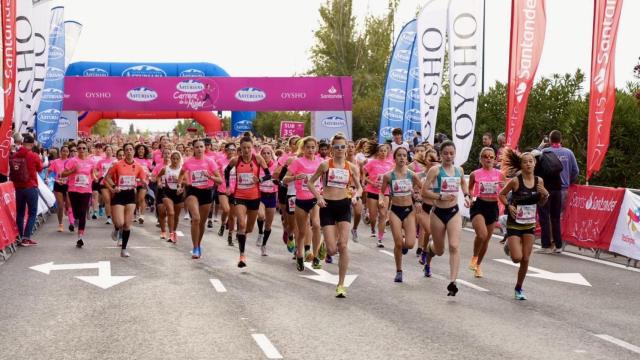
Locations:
column 8, row 227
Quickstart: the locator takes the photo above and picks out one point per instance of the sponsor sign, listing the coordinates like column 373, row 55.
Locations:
column 626, row 237
column 325, row 124
column 291, row 128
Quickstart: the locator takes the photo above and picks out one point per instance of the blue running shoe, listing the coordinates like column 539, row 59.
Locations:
column 519, row 294
column 328, row 259
column 427, row 270
column 398, row 277
column 423, row 258
column 405, row 251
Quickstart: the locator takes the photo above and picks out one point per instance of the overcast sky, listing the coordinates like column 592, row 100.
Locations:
column 273, row 37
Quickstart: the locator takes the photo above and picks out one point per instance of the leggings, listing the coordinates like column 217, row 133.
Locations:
column 80, row 205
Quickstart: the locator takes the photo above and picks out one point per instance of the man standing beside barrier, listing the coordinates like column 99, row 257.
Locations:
column 550, row 213
column 24, row 166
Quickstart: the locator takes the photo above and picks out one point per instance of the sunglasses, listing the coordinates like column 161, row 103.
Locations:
column 339, row 147
column 490, row 157
column 82, row 148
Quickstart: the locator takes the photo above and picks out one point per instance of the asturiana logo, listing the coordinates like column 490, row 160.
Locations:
column 144, row 71
column 395, row 94
column 64, row 122
column 97, row 72
column 250, row 94
column 393, row 114
column 408, row 36
column 243, row 125
column 44, row 136
column 415, row 73
column 192, row 73
column 386, row 131
column 52, row 95
column 414, row 95
column 49, row 116
column 403, row 56
column 190, row 86
column 54, row 74
column 398, row 75
column 333, row 122
column 142, row 94
column 413, row 116
column 55, row 52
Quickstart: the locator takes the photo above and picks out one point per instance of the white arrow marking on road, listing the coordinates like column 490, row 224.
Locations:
column 104, row 280
column 571, row 278
column 327, row 277
column 217, row 284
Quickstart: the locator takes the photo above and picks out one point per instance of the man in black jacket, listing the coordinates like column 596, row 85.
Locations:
column 549, row 213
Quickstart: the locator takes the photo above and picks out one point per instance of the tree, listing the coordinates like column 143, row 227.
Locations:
column 341, row 49
column 184, row 125
column 132, row 130
column 104, row 127
column 268, row 123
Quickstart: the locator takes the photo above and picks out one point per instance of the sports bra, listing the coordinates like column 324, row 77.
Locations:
column 337, row 177
column 402, row 187
column 446, row 183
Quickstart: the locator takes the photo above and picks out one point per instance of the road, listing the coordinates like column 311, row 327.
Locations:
column 171, row 309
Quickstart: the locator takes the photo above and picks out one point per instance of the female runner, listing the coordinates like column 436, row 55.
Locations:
column 268, row 200
column 142, row 158
column 60, row 186
column 173, row 193
column 374, row 170
column 357, row 204
column 225, row 198
column 103, row 167
column 428, row 160
column 155, row 178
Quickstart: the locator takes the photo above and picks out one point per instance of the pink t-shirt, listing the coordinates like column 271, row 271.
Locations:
column 487, row 183
column 268, row 186
column 157, row 157
column 80, row 181
column 57, row 166
column 196, row 171
column 104, row 165
column 307, row 167
column 375, row 169
column 222, row 164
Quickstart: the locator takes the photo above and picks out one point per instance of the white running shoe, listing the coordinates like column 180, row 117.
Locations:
column 259, row 240
column 354, row 235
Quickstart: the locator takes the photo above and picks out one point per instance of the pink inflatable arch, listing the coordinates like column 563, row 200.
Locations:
column 208, row 120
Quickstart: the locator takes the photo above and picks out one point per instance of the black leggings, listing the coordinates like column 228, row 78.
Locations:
column 80, row 203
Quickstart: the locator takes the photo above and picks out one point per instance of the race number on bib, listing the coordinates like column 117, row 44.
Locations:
column 450, row 185
column 127, row 182
column 401, row 187
column 199, row 178
column 82, row 180
column 378, row 183
column 526, row 214
column 488, row 188
column 266, row 186
column 291, row 202
column 338, row 178
column 245, row 181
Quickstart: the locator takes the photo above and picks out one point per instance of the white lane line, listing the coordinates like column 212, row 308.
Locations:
column 387, row 253
column 267, row 347
column 618, row 342
column 217, row 284
column 179, row 233
column 134, row 247
column 576, row 256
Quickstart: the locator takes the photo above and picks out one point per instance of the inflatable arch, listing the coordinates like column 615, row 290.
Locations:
column 208, row 120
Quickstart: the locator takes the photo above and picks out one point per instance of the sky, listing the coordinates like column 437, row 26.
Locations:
column 273, row 37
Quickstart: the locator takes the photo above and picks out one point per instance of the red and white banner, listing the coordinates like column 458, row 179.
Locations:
column 8, row 227
column 590, row 215
column 528, row 23
column 626, row 238
column 602, row 98
column 8, row 80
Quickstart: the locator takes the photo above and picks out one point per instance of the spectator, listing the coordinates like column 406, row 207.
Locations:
column 550, row 213
column 323, row 149
column 487, row 141
column 397, row 140
column 417, row 138
column 25, row 165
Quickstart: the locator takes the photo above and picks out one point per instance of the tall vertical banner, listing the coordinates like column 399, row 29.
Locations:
column 465, row 63
column 8, row 80
column 602, row 98
column 431, row 41
column 50, row 107
column 395, row 88
column 626, row 237
column 528, row 24
column 411, row 121
column 72, row 31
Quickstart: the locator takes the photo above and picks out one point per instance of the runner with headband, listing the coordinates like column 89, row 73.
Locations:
column 527, row 192
column 335, row 205
column 402, row 183
column 485, row 184
column 446, row 221
column 122, row 180
column 247, row 194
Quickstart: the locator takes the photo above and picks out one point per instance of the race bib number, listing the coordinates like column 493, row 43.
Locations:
column 291, row 202
column 305, row 183
column 401, row 187
column 488, row 188
column 127, row 182
column 266, row 186
column 526, row 214
column 172, row 181
column 450, row 185
column 378, row 183
column 338, row 178
column 199, row 178
column 105, row 169
column 82, row 180
column 245, row 181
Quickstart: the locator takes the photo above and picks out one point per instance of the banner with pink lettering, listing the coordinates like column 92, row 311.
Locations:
column 528, row 24
column 291, row 128
column 207, row 93
column 626, row 238
column 602, row 98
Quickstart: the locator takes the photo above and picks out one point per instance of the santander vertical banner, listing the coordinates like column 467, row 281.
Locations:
column 465, row 63
column 8, row 80
column 528, row 24
column 431, row 43
column 602, row 99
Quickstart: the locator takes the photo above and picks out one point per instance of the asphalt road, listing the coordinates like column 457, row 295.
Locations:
column 171, row 310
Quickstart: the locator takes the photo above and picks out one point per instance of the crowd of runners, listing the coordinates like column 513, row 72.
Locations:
column 320, row 190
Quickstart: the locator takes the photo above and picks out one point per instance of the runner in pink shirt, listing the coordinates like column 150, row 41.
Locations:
column 300, row 170
column 288, row 219
column 60, row 187
column 81, row 173
column 142, row 158
column 377, row 165
column 226, row 201
column 103, row 167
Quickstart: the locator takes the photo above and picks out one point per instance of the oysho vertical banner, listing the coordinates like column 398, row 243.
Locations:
column 50, row 108
column 465, row 63
column 602, row 98
column 8, row 80
column 395, row 88
column 431, row 43
column 528, row 24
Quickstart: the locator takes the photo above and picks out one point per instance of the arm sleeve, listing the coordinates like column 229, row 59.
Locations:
column 283, row 172
column 227, row 174
column 267, row 174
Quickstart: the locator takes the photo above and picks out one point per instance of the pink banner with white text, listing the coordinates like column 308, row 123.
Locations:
column 207, row 93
